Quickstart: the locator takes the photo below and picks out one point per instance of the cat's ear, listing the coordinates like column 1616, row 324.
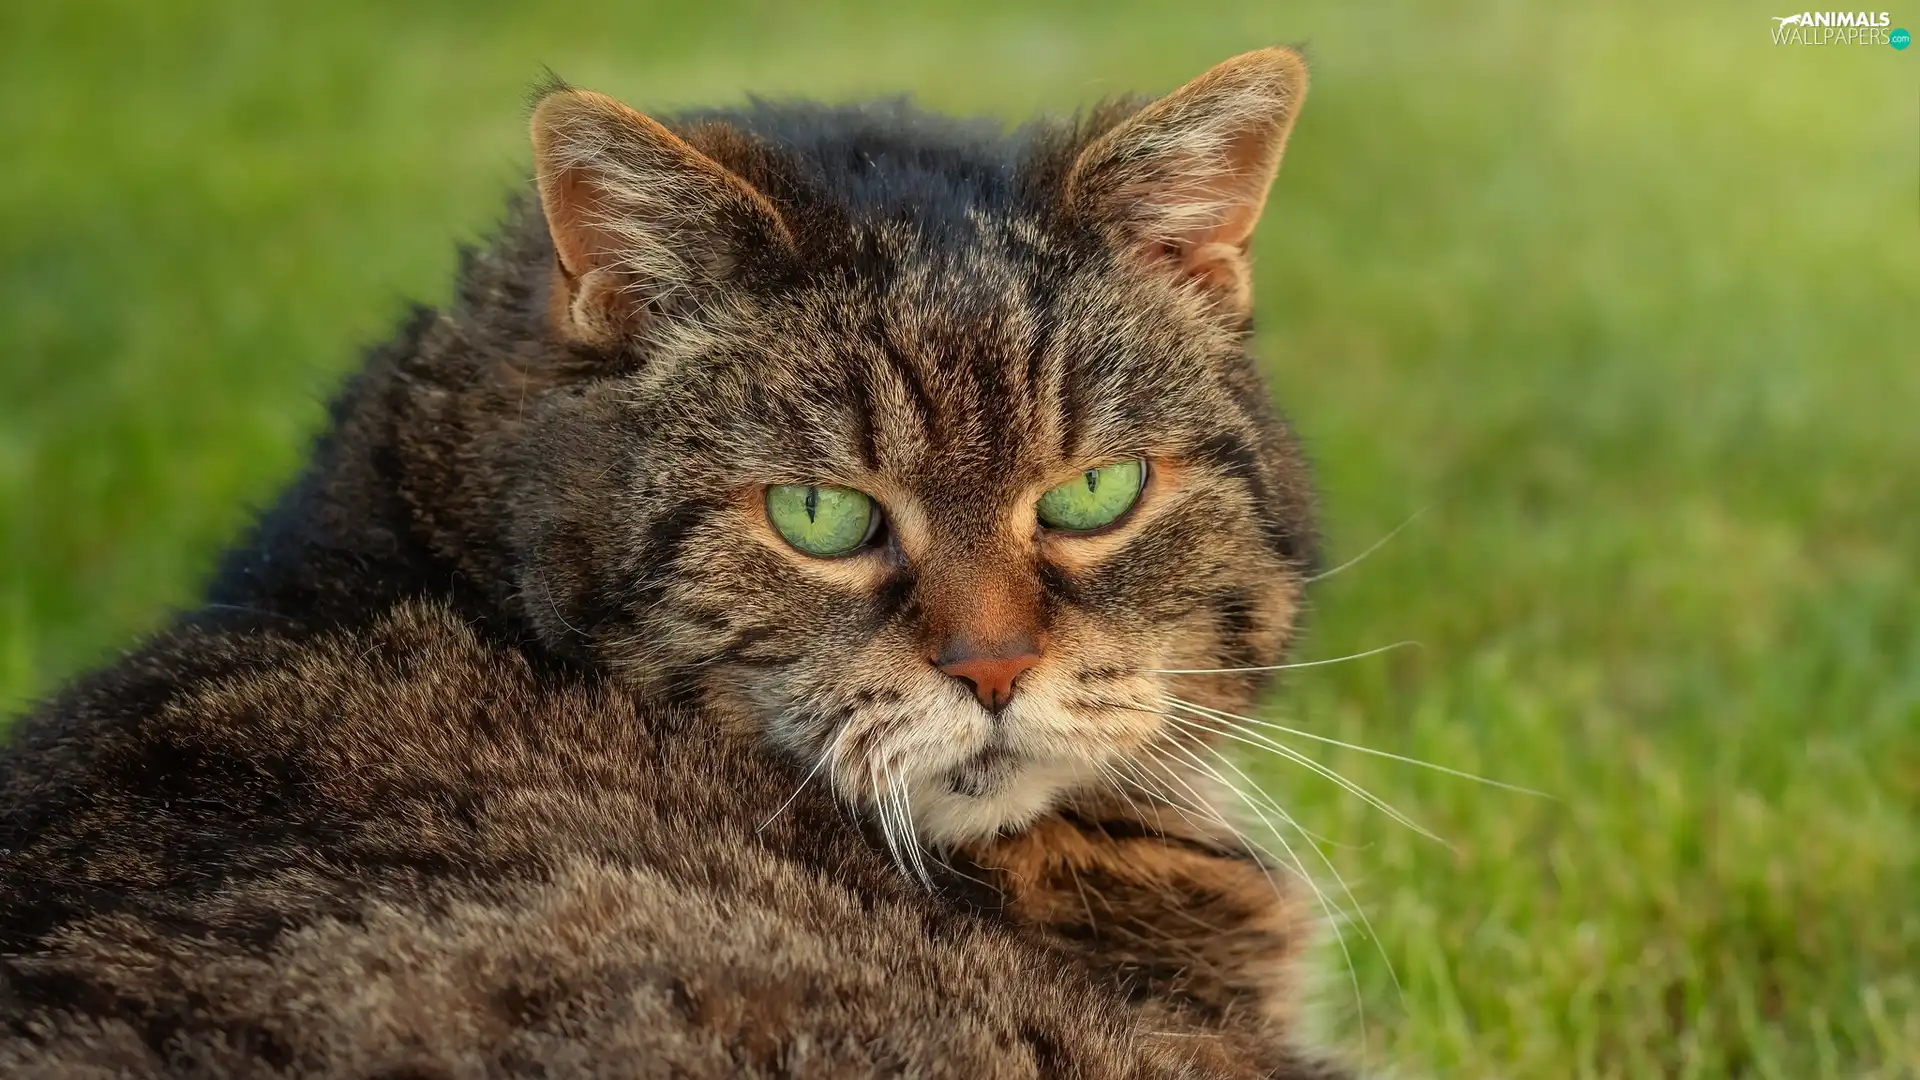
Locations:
column 640, row 220
column 1181, row 182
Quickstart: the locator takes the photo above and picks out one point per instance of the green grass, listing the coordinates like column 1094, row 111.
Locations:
column 1624, row 295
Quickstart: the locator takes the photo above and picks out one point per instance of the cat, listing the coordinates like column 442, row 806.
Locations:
column 736, row 636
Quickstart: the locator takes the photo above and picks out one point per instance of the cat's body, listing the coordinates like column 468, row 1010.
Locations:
column 405, row 851
column 514, row 744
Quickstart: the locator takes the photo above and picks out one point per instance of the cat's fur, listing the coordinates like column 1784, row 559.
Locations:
column 516, row 739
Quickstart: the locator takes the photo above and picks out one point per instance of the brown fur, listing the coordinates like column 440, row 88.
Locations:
column 516, row 873
column 516, row 738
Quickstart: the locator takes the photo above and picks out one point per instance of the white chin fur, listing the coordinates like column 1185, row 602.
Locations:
column 945, row 818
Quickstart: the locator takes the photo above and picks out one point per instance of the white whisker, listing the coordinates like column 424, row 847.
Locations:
column 833, row 746
column 1326, row 906
column 1200, row 803
column 1293, row 859
column 898, row 792
column 1163, row 793
column 1253, row 737
column 1377, row 545
column 1256, row 738
column 1364, row 749
column 1111, row 775
column 885, row 812
column 1283, row 667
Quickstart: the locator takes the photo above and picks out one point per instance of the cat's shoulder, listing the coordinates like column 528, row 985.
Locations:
column 262, row 687
column 215, row 746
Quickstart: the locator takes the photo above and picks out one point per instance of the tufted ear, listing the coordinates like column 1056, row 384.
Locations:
column 641, row 221
column 1181, row 183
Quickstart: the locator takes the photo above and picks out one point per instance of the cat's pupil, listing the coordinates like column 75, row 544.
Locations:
column 813, row 502
column 1093, row 479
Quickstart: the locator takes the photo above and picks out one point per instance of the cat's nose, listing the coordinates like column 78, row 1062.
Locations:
column 989, row 671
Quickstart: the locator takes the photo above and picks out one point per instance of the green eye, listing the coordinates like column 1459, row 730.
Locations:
column 1095, row 498
column 822, row 520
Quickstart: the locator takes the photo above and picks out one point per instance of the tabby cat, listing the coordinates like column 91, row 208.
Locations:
column 734, row 637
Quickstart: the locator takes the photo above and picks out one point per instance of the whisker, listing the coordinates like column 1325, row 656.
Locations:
column 957, row 872
column 1292, row 860
column 1283, row 667
column 885, row 812
column 1257, row 849
column 1199, row 802
column 893, row 807
column 1160, row 792
column 833, row 745
column 1253, row 791
column 1311, row 836
column 1377, row 545
column 1252, row 737
column 897, row 791
column 1163, row 793
column 1326, row 906
column 1502, row 784
column 1111, row 775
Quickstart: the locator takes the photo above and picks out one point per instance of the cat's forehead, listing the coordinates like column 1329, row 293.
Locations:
column 993, row 358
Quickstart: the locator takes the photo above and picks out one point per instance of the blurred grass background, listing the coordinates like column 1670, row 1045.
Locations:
column 1624, row 294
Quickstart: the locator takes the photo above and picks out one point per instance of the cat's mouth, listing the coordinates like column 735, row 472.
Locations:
column 984, row 774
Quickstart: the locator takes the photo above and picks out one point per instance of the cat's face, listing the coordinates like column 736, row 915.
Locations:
column 944, row 508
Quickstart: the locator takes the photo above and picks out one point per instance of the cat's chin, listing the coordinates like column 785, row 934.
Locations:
column 993, row 794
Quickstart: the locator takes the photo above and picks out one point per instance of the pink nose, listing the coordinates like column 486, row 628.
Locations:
column 989, row 672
